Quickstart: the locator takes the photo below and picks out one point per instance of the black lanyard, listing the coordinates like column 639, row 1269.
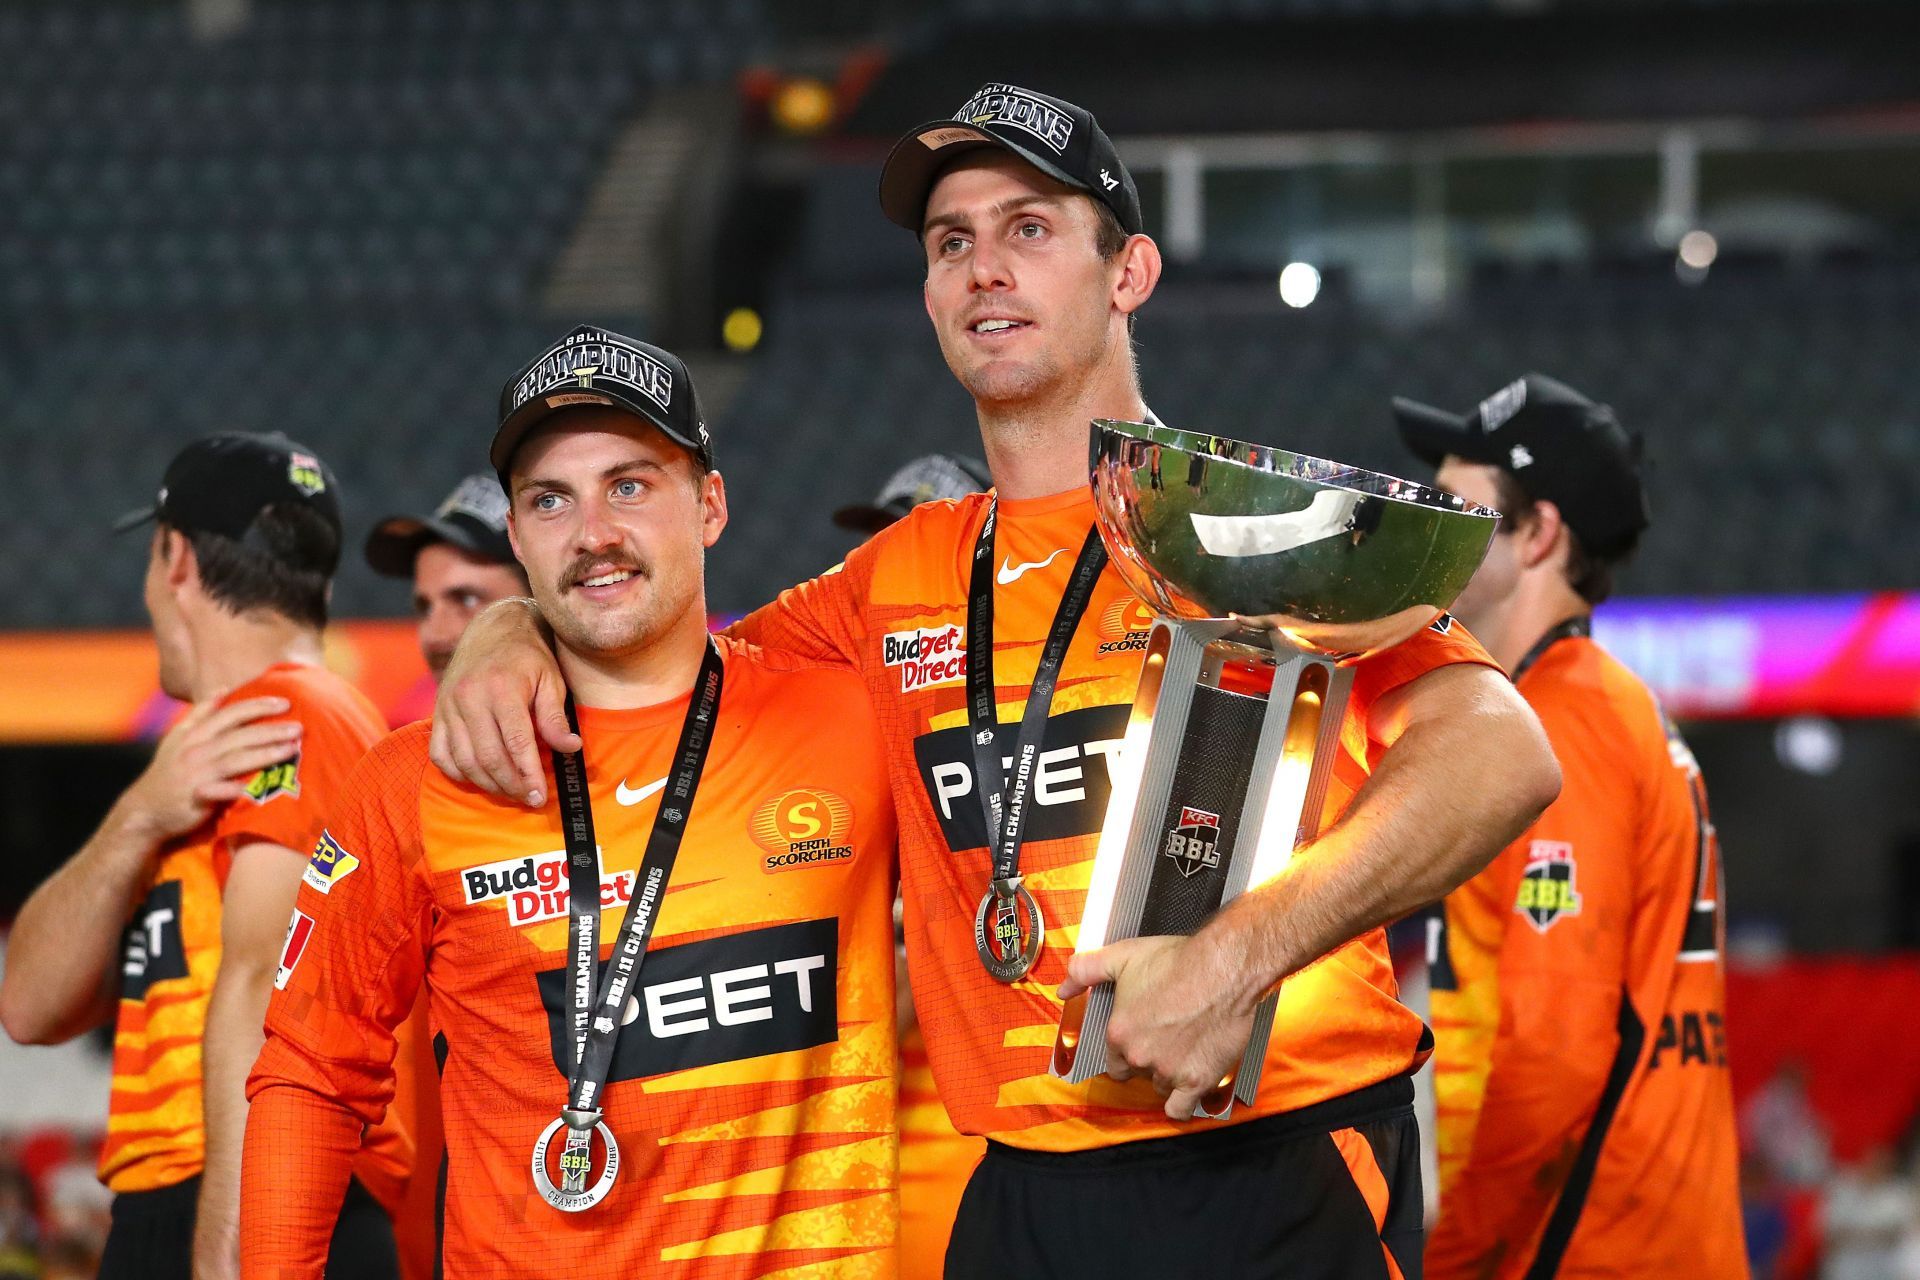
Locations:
column 596, row 1023
column 1580, row 624
column 1003, row 798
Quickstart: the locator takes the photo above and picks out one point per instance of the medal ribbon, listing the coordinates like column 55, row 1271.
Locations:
column 596, row 1021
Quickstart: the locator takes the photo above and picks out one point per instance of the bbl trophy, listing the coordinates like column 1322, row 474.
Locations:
column 1272, row 573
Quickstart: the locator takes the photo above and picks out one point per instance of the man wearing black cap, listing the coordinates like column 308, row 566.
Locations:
column 198, row 861
column 459, row 560
column 1036, row 264
column 1585, row 1111
column 666, row 996
column 928, row 478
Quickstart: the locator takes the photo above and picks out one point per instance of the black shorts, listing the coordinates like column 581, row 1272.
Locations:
column 152, row 1236
column 1329, row 1192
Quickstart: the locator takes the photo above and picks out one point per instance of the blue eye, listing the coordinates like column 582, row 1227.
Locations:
column 1034, row 227
column 547, row 502
column 628, row 488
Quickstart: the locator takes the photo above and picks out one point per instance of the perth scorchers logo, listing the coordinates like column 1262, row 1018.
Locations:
column 1125, row 626
column 803, row 828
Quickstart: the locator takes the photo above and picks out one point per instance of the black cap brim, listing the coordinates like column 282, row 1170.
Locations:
column 134, row 519
column 531, row 414
column 395, row 543
column 1433, row 433
column 907, row 177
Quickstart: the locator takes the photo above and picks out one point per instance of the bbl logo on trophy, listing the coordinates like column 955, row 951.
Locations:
column 1267, row 575
column 1195, row 843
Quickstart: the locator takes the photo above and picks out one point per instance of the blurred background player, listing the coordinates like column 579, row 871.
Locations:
column 935, row 1158
column 749, row 1083
column 1586, row 1121
column 199, row 860
column 459, row 560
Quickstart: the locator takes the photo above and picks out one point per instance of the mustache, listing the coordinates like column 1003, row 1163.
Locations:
column 588, row 566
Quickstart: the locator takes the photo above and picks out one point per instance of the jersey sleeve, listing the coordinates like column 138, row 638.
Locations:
column 1446, row 640
column 351, row 967
column 1567, row 889
column 821, row 619
column 284, row 802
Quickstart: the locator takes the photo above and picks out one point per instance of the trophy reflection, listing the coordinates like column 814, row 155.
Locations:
column 1272, row 573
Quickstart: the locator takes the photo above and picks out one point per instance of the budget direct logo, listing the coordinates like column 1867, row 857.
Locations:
column 1125, row 627
column 805, row 827
column 926, row 656
column 535, row 888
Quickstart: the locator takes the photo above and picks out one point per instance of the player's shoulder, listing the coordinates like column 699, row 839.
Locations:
column 398, row 761
column 928, row 533
column 314, row 691
column 767, row 671
column 1579, row 682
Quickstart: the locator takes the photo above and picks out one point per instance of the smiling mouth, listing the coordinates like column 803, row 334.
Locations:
column 995, row 326
column 608, row 579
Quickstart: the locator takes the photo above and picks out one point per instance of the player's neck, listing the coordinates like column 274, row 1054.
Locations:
column 660, row 669
column 229, row 651
column 1038, row 447
column 1538, row 605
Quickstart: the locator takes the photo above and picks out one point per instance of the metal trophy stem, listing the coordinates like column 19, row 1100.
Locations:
column 1273, row 572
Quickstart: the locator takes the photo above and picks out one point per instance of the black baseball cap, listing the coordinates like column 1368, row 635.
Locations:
column 596, row 366
column 222, row 483
column 473, row 518
column 925, row 479
column 1562, row 448
column 1056, row 137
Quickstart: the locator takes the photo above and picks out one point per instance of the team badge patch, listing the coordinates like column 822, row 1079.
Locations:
column 329, row 865
column 299, row 933
column 281, row 779
column 303, row 471
column 1195, row 842
column 1547, row 889
column 806, row 827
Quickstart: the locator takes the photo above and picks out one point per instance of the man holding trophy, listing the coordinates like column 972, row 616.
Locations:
column 1003, row 644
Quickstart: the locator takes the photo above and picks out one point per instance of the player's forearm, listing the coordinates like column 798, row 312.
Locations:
column 235, row 1015
column 1451, row 792
column 299, row 1157
column 64, row 950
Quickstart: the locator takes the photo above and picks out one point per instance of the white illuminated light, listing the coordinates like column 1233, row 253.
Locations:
column 1299, row 284
column 1698, row 249
column 1809, row 744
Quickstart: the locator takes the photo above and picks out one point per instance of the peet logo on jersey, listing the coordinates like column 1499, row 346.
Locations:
column 1125, row 627
column 1071, row 777
column 803, row 828
column 1546, row 887
column 535, row 887
column 926, row 656
column 150, row 950
column 329, row 865
column 725, row 999
column 281, row 779
column 299, row 933
column 1195, row 842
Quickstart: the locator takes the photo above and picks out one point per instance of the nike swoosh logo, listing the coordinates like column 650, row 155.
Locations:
column 634, row 795
column 1330, row 514
column 1010, row 572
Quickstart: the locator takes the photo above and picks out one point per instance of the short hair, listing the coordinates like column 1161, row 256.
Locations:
column 1589, row 573
column 1109, row 238
column 259, row 571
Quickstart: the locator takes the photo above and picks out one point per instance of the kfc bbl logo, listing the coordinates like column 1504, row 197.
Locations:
column 1195, row 842
column 1546, row 887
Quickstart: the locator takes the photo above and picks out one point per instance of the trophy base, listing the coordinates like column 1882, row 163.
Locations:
column 1223, row 771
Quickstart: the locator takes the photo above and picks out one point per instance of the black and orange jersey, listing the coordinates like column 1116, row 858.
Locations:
column 1579, row 996
column 156, row 1135
column 935, row 1162
column 896, row 610
column 752, row 1091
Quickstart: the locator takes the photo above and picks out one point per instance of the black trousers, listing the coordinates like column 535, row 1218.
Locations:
column 152, row 1236
column 1329, row 1192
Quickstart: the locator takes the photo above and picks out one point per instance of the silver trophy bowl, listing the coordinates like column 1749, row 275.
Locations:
column 1331, row 559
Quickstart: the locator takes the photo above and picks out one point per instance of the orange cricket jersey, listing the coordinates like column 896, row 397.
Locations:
column 896, row 610
column 935, row 1162
column 752, row 1090
column 155, row 1131
column 1586, row 1122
